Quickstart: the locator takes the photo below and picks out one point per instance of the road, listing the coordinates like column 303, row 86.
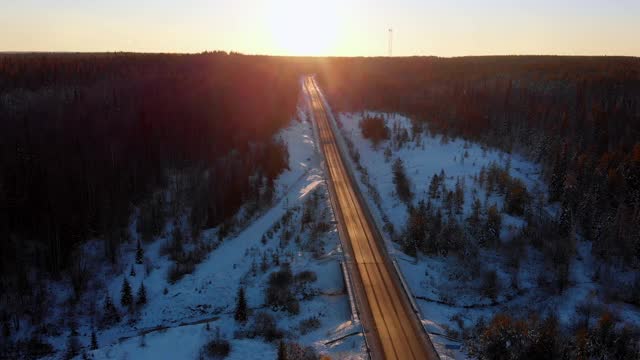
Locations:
column 392, row 328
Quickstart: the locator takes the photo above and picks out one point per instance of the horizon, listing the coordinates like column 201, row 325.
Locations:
column 353, row 28
column 204, row 52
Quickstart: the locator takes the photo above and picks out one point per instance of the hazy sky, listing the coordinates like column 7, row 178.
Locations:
column 324, row 27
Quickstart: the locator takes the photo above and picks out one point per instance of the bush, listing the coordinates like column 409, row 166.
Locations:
column 375, row 129
column 295, row 351
column 309, row 324
column 517, row 197
column 606, row 341
column 490, row 285
column 264, row 326
column 216, row 348
column 504, row 338
column 177, row 271
column 185, row 263
column 279, row 294
column 400, row 179
column 306, row 276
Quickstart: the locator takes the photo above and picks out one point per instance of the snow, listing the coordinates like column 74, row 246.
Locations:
column 174, row 321
column 180, row 318
column 445, row 293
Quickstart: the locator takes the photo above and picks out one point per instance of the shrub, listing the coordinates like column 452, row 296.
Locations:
column 306, row 276
column 295, row 351
column 375, row 129
column 517, row 197
column 279, row 294
column 178, row 270
column 400, row 179
column 490, row 285
column 264, row 326
column 606, row 341
column 216, row 348
column 309, row 324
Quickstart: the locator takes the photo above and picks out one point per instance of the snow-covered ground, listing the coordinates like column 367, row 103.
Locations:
column 448, row 296
column 180, row 318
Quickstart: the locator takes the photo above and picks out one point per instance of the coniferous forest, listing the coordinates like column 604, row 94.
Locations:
column 579, row 119
column 86, row 138
column 578, row 116
column 95, row 147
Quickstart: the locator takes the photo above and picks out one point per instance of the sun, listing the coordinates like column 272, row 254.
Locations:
column 304, row 27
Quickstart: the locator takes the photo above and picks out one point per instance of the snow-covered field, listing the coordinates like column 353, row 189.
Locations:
column 180, row 318
column 448, row 296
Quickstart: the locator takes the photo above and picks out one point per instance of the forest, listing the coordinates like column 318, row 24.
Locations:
column 85, row 139
column 578, row 116
column 579, row 119
column 89, row 142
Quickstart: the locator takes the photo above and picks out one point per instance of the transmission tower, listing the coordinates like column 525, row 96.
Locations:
column 390, row 42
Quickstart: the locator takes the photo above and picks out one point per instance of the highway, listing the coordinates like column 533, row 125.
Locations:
column 392, row 328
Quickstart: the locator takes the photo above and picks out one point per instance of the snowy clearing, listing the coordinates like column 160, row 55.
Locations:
column 180, row 318
column 449, row 295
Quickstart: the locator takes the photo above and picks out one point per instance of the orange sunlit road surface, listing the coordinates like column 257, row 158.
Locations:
column 393, row 328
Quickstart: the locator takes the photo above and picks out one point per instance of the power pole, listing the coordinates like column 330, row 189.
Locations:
column 390, row 42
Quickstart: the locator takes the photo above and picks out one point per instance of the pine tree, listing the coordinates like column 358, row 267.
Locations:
column 73, row 346
column 433, row 186
column 139, row 253
column 264, row 264
column 132, row 273
column 493, row 224
column 400, row 179
column 142, row 295
column 94, row 340
column 126, row 298
column 177, row 243
column 110, row 315
column 474, row 217
column 564, row 221
column 241, row 307
column 282, row 351
column 556, row 185
column 458, row 199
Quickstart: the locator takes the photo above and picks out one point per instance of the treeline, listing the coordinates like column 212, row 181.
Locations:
column 86, row 138
column 596, row 336
column 577, row 116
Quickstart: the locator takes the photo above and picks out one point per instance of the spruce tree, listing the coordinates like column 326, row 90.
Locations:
column 476, row 209
column 110, row 315
column 282, row 351
column 73, row 346
column 126, row 298
column 493, row 224
column 241, row 307
column 564, row 221
column 132, row 273
column 94, row 340
column 264, row 264
column 433, row 186
column 142, row 295
column 558, row 174
column 139, row 253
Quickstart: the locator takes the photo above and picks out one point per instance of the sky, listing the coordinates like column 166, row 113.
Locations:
column 325, row 27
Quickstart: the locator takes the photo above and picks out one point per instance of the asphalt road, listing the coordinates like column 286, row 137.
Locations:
column 393, row 330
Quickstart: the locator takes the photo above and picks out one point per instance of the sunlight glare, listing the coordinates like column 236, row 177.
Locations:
column 304, row 28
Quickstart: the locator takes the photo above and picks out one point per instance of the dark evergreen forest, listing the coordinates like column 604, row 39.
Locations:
column 85, row 138
column 578, row 116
